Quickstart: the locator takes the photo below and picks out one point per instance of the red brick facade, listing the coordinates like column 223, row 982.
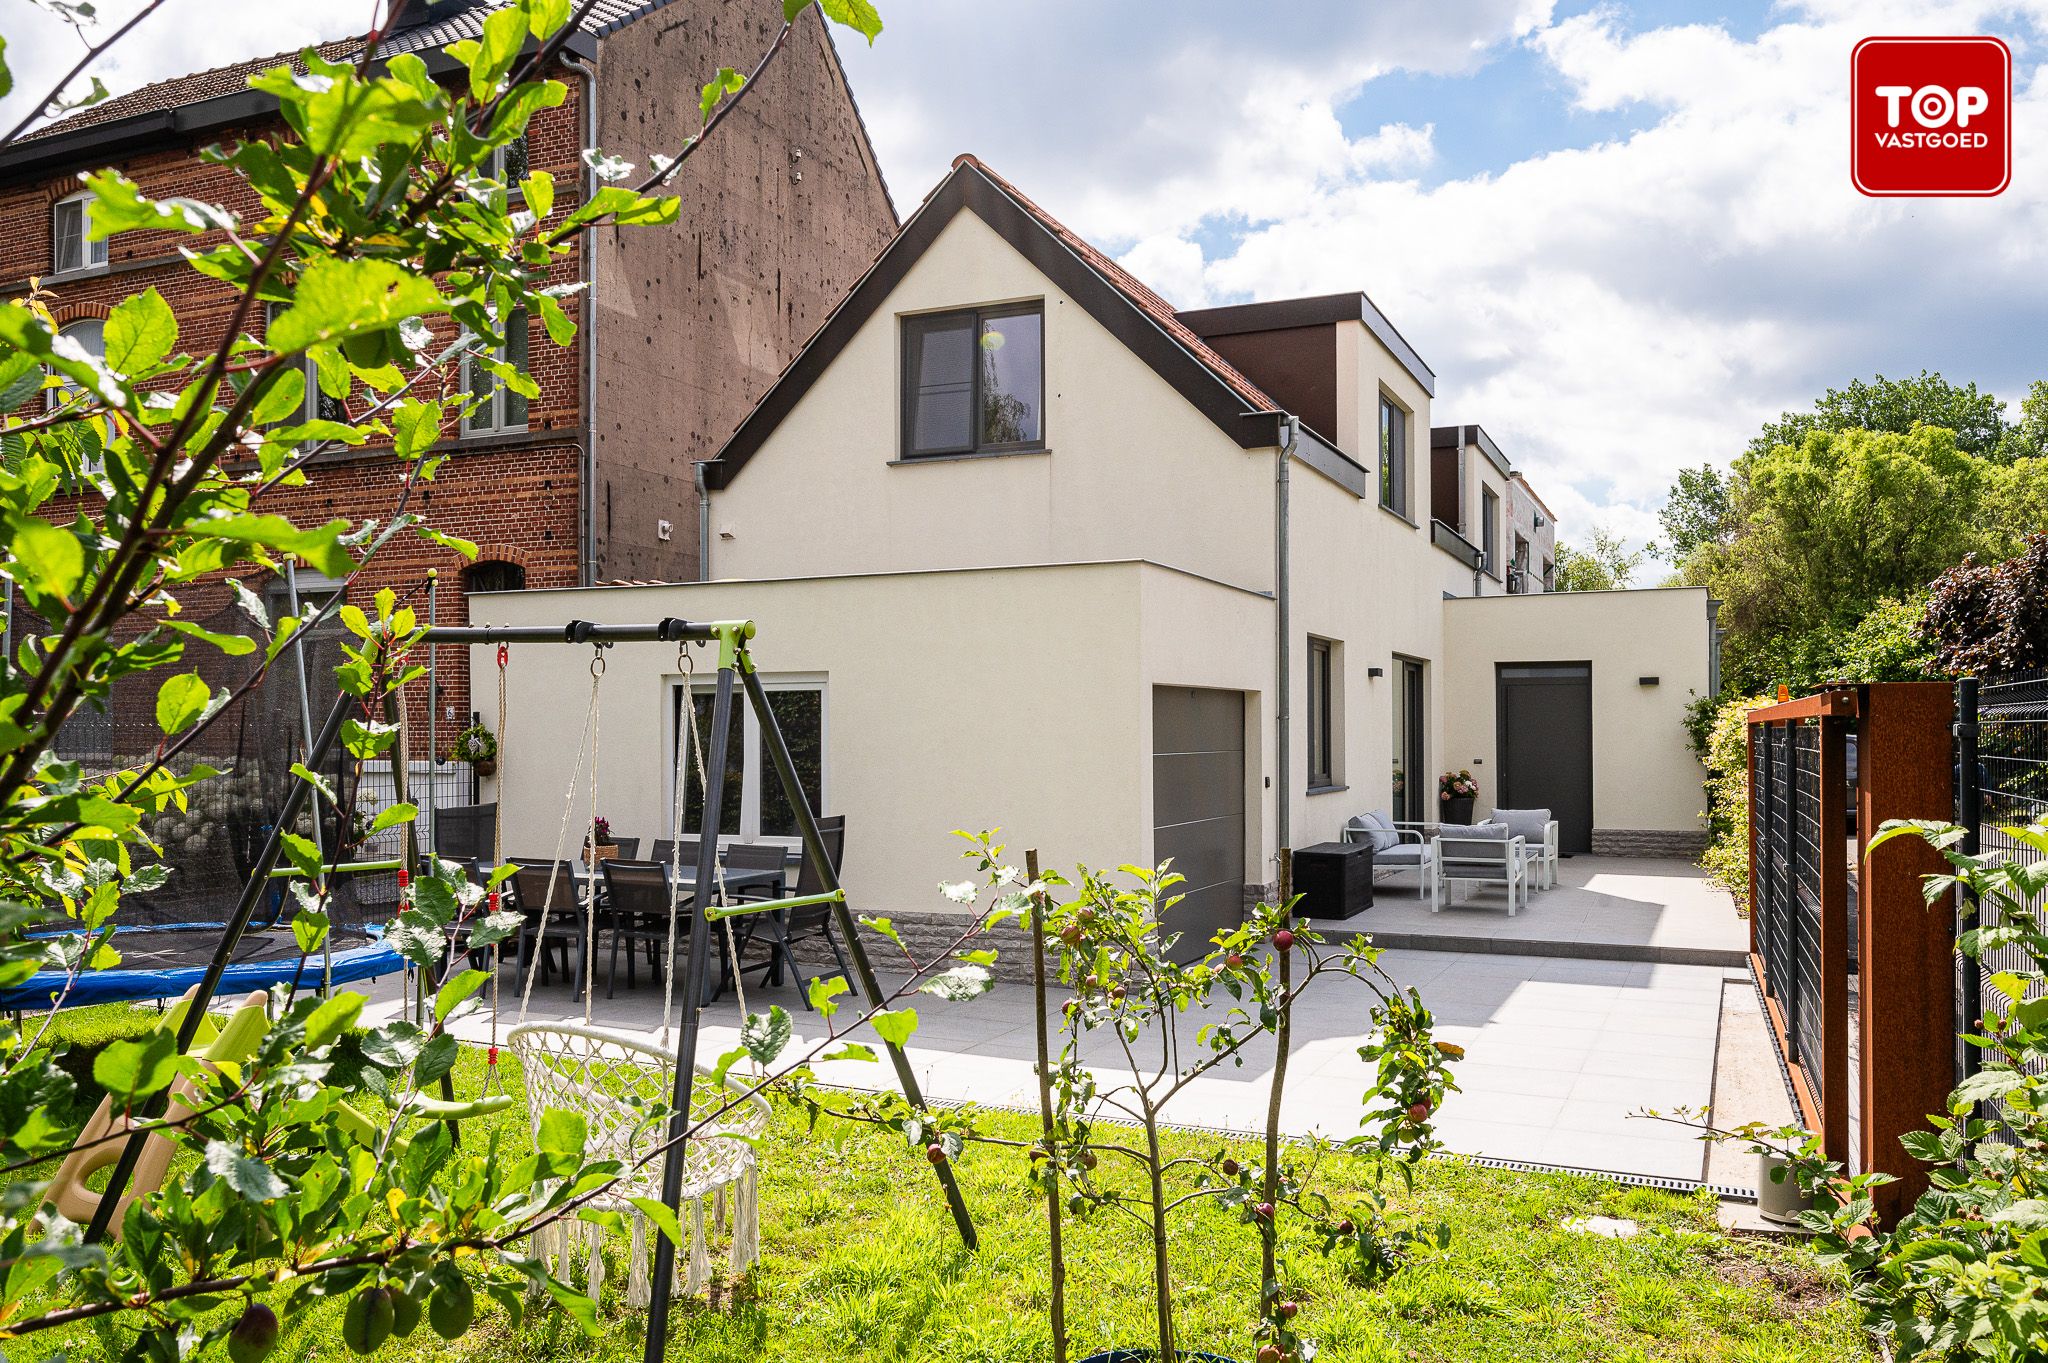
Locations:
column 519, row 496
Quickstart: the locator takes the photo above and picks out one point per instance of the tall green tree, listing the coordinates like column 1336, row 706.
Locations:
column 1699, row 511
column 1606, row 564
column 1896, row 405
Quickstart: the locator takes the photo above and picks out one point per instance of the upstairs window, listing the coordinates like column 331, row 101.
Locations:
column 90, row 336
column 1489, row 531
column 70, row 251
column 974, row 381
column 499, row 410
column 1393, row 456
column 508, row 165
column 316, row 406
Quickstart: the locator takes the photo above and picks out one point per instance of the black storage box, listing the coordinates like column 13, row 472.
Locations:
column 1334, row 879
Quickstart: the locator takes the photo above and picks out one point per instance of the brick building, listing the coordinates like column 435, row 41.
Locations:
column 680, row 330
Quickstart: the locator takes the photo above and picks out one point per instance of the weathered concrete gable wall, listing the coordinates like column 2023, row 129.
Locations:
column 783, row 209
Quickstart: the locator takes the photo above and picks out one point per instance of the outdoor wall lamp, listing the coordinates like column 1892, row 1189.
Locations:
column 1375, row 671
column 1646, row 681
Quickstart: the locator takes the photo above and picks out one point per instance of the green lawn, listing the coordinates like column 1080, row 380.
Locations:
column 860, row 1261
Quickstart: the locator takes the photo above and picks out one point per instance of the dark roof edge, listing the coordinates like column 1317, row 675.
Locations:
column 860, row 121
column 1321, row 310
column 97, row 143
column 1335, row 465
column 966, row 187
column 1449, row 437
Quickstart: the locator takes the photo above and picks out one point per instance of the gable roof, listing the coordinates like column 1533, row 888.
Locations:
column 184, row 106
column 1143, row 321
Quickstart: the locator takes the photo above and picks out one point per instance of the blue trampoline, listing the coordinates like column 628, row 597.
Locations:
column 163, row 962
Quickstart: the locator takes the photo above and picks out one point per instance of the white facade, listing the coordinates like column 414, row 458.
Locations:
column 986, row 632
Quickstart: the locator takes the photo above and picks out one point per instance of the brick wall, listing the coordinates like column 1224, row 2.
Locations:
column 516, row 496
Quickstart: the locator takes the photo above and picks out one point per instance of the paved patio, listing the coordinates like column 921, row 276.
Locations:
column 1560, row 1050
column 1615, row 908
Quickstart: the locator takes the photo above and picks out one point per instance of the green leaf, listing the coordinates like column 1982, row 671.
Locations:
column 54, row 558
column 348, row 297
column 128, row 1070
column 539, row 189
column 436, row 1059
column 244, row 1173
column 560, row 329
column 664, row 1220
column 766, row 1037
column 504, row 34
column 824, row 990
column 393, row 814
column 234, row 645
column 332, row 1018
column 456, row 990
column 320, row 546
column 858, row 15
column 895, row 1025
column 315, row 780
column 309, row 930
column 305, row 857
column 1984, row 1086
column 140, row 332
column 852, row 1050
column 415, row 427
column 726, row 82
column 561, row 1133
column 180, row 702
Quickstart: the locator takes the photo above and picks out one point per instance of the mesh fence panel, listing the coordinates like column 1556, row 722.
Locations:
column 2012, row 776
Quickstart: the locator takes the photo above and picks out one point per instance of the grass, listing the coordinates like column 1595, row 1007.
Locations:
column 860, row 1262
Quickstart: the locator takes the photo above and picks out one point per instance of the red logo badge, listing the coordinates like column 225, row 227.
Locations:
column 1931, row 116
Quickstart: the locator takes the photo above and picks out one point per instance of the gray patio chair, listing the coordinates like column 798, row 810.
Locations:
column 1481, row 854
column 1539, row 833
column 664, row 850
column 1396, row 848
column 778, row 932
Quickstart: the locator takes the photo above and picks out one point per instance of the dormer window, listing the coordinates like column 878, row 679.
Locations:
column 974, row 381
column 70, row 251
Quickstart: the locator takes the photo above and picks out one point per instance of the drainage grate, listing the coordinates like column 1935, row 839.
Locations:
column 1657, row 1181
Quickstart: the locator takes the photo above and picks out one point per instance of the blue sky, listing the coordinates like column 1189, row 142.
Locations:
column 1623, row 234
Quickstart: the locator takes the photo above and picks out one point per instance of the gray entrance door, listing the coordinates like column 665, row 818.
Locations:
column 1546, row 745
column 1198, row 808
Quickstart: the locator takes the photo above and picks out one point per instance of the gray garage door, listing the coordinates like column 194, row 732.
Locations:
column 1198, row 808
column 1546, row 746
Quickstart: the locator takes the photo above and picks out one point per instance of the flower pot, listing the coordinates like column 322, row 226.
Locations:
column 1456, row 808
column 1778, row 1200
column 487, row 766
column 604, row 851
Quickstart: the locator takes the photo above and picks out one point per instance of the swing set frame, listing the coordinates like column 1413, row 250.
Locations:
column 736, row 674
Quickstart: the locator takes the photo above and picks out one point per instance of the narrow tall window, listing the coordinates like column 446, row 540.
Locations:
column 1489, row 531
column 90, row 335
column 1393, row 456
column 508, row 164
column 974, row 381
column 499, row 408
column 1322, row 714
column 69, row 248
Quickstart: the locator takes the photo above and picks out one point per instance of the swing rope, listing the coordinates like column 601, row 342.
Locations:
column 492, row 1078
column 590, row 844
column 686, row 664
column 562, row 833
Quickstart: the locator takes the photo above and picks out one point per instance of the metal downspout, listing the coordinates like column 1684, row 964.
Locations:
column 586, row 560
column 1283, row 732
column 703, row 524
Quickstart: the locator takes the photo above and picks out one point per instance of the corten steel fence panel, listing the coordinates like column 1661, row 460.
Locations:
column 2005, row 786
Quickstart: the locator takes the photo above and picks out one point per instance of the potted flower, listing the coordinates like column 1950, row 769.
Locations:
column 477, row 746
column 598, row 844
column 1455, row 792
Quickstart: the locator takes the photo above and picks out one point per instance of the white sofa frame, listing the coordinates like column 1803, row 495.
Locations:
column 1505, row 863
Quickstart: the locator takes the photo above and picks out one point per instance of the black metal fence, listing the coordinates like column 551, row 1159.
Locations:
column 2005, row 786
column 1787, row 844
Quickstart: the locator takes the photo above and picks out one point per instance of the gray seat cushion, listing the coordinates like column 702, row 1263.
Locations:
column 1400, row 855
column 1373, row 826
column 1523, row 823
column 1474, row 830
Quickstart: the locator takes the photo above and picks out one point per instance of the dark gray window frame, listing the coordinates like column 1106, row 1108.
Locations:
column 914, row 326
column 1322, row 713
column 1394, row 455
column 1489, row 530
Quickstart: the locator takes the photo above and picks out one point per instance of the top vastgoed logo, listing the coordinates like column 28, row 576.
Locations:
column 1931, row 116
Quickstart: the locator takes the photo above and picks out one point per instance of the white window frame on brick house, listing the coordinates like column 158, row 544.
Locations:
column 502, row 411
column 497, row 165
column 85, row 256
column 66, row 390
column 316, row 405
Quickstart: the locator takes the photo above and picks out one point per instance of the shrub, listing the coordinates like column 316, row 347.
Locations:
column 1726, row 755
column 1991, row 617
